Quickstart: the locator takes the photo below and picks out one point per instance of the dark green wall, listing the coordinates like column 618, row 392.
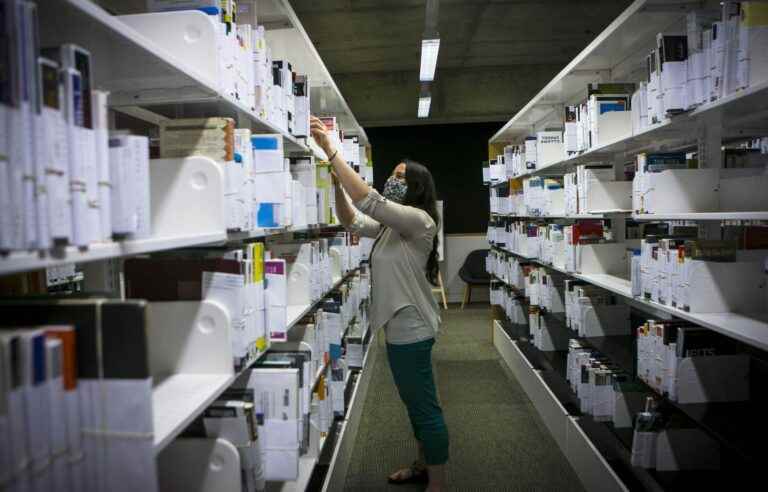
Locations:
column 454, row 154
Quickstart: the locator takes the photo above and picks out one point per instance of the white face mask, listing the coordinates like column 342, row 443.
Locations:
column 395, row 189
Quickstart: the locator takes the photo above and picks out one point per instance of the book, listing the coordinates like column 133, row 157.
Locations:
column 209, row 137
column 114, row 384
column 55, row 177
column 694, row 341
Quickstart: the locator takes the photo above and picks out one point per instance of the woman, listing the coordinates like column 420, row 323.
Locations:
column 403, row 263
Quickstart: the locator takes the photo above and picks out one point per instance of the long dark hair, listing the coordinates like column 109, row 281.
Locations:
column 422, row 194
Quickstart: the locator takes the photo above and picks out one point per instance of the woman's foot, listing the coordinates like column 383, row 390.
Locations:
column 414, row 474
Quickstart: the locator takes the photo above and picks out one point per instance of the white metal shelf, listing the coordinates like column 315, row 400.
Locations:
column 177, row 400
column 749, row 328
column 615, row 54
column 21, row 261
column 704, row 216
column 736, row 113
column 307, row 463
column 290, row 41
column 600, row 214
column 296, row 312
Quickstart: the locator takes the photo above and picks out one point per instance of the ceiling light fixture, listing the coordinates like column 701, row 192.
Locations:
column 424, row 103
column 429, row 49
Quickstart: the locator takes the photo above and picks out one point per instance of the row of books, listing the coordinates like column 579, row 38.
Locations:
column 64, row 179
column 508, row 268
column 603, row 389
column 591, row 188
column 647, row 168
column 721, row 53
column 678, row 270
column 674, row 182
column 702, row 276
column 563, row 246
column 594, row 312
column 77, row 387
column 257, row 283
column 662, row 440
column 276, row 412
column 68, row 180
column 507, row 200
column 76, row 395
column 510, row 300
column 663, row 349
column 691, row 364
column 247, row 72
column 264, row 186
column 297, row 393
column 543, row 196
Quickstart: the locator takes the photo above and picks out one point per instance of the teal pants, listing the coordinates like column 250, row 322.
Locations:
column 411, row 366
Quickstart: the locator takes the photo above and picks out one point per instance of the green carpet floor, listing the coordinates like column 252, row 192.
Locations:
column 498, row 441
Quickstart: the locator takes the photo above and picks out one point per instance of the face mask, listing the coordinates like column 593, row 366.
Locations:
column 395, row 189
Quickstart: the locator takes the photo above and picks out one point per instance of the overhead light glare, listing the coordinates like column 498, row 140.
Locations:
column 424, row 104
column 429, row 49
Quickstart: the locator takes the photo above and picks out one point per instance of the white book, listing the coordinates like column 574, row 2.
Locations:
column 104, row 183
column 235, row 178
column 5, row 192
column 73, row 111
column 731, row 16
column 674, row 71
column 28, row 49
column 35, row 385
column 15, row 447
column 55, row 155
column 717, row 61
column 18, row 156
column 93, row 219
column 531, row 156
column 244, row 148
column 57, row 413
column 142, row 187
column 71, row 408
column 123, row 198
column 7, row 464
column 752, row 39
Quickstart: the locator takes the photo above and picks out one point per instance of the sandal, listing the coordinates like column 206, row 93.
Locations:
column 417, row 475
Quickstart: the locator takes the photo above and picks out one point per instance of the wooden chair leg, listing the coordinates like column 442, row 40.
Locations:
column 442, row 290
column 469, row 295
column 466, row 296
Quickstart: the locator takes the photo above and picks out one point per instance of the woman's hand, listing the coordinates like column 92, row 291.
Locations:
column 320, row 134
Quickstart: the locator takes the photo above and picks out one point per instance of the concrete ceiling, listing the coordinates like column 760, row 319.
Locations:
column 494, row 54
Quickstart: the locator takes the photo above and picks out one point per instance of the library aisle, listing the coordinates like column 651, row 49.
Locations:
column 498, row 441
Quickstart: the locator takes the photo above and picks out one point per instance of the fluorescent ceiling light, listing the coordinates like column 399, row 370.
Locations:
column 424, row 103
column 429, row 49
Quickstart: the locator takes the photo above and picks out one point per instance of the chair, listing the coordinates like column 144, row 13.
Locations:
column 473, row 273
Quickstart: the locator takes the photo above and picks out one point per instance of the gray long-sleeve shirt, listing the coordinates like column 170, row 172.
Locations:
column 398, row 267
